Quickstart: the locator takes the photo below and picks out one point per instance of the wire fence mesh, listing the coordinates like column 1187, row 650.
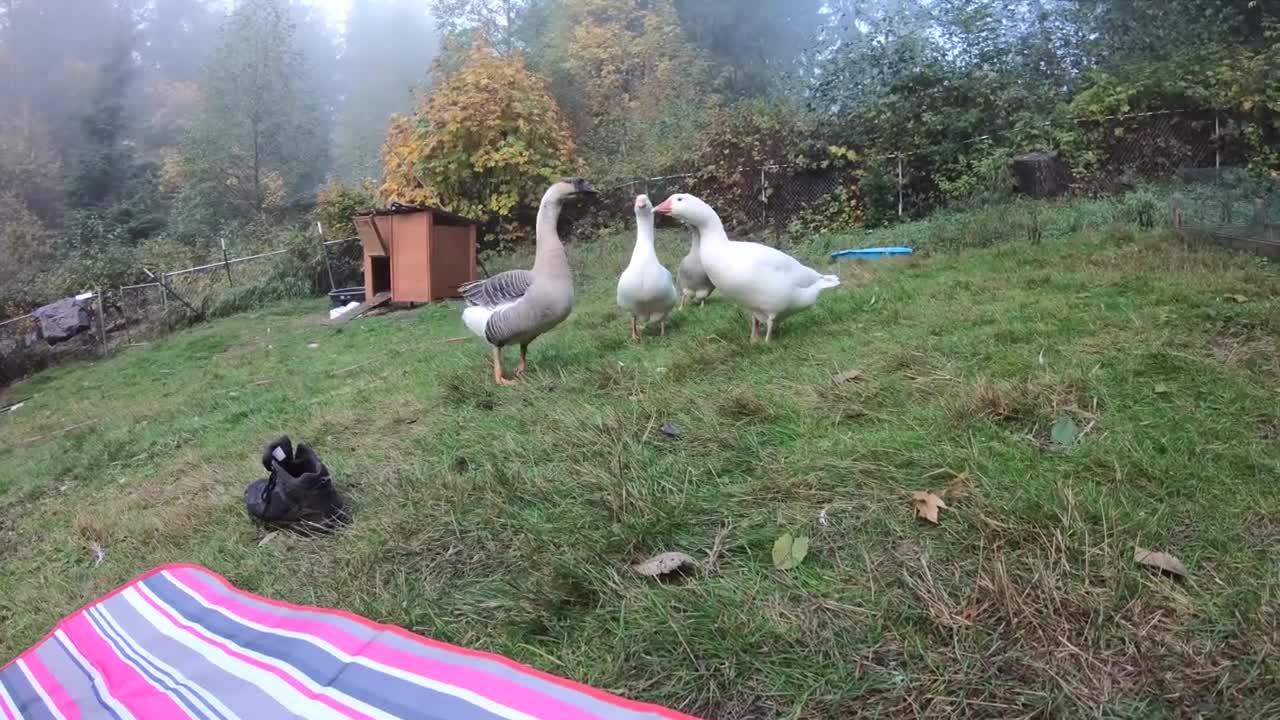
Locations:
column 137, row 314
column 1229, row 207
column 1101, row 156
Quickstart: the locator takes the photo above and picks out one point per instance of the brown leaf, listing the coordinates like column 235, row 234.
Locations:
column 958, row 487
column 1163, row 562
column 927, row 505
column 1237, row 298
column 847, row 376
column 662, row 564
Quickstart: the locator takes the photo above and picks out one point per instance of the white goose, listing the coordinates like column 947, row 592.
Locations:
column 694, row 282
column 769, row 283
column 645, row 288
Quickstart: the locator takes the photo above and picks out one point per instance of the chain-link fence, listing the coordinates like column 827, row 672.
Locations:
column 132, row 315
column 1091, row 157
column 769, row 199
column 1229, row 207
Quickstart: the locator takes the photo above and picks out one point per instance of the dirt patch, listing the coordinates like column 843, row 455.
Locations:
column 1032, row 404
column 1242, row 349
column 744, row 405
column 1262, row 530
column 1270, row 430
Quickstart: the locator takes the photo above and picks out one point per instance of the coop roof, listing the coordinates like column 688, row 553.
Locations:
column 399, row 209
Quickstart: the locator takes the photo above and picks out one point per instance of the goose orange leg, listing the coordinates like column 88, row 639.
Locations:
column 635, row 329
column 497, row 368
column 523, row 361
column 768, row 330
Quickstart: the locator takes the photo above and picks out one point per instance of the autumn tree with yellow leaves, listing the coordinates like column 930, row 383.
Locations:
column 637, row 89
column 485, row 144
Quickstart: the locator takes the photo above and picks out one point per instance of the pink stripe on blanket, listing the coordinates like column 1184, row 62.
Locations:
column 45, row 683
column 129, row 687
column 288, row 678
column 497, row 689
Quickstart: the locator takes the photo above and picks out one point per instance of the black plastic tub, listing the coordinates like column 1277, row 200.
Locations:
column 343, row 296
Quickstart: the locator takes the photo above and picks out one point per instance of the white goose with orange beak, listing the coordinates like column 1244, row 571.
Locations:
column 645, row 288
column 769, row 283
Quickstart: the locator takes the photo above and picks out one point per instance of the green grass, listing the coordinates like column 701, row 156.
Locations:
column 505, row 519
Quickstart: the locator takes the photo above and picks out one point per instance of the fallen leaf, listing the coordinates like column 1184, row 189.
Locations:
column 313, row 346
column 958, row 487
column 1238, row 298
column 789, row 552
column 1161, row 389
column 1065, row 431
column 662, row 564
column 927, row 505
column 1159, row 561
column 847, row 376
column 670, row 429
column 824, row 520
column 267, row 538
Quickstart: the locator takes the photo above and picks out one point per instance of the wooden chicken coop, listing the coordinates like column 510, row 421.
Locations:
column 415, row 254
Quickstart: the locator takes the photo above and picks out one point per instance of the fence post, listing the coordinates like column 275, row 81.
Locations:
column 764, row 198
column 1175, row 211
column 324, row 250
column 124, row 317
column 226, row 261
column 1217, row 147
column 899, row 185
column 102, row 322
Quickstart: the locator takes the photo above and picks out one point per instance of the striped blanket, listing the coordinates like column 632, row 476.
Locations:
column 181, row 642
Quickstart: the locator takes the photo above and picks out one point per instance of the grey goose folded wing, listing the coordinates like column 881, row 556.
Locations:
column 509, row 323
column 501, row 289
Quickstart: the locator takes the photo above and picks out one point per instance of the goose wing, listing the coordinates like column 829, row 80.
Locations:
column 501, row 289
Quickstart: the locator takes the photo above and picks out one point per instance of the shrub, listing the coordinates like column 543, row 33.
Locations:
column 485, row 144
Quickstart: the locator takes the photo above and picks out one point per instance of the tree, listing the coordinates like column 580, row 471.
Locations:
column 30, row 169
column 104, row 161
column 755, row 46
column 178, row 37
column 389, row 48
column 637, row 90
column 484, row 144
column 498, row 21
column 260, row 140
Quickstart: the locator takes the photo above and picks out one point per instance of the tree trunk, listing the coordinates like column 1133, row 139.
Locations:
column 257, row 170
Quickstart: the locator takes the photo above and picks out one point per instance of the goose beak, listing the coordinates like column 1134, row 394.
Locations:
column 582, row 187
column 664, row 208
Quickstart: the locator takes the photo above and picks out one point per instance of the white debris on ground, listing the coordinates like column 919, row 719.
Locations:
column 338, row 312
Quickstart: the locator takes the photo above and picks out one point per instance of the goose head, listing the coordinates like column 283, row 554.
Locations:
column 569, row 188
column 643, row 206
column 688, row 209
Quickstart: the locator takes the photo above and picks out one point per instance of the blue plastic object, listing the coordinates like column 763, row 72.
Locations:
column 876, row 253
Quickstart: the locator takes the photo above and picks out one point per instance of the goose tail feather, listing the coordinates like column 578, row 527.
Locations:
column 476, row 318
column 828, row 281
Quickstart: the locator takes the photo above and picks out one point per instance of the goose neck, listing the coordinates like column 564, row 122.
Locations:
column 644, row 248
column 549, row 254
